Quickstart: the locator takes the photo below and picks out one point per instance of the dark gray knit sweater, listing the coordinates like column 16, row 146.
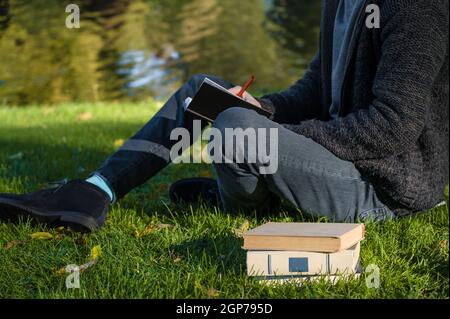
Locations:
column 394, row 119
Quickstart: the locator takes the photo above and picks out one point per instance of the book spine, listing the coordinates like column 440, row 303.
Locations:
column 288, row 263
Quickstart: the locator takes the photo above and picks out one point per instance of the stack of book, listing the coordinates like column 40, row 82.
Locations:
column 280, row 252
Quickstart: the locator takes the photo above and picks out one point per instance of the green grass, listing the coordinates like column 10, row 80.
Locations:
column 199, row 256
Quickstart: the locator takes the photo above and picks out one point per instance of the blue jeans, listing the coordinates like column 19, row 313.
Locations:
column 309, row 177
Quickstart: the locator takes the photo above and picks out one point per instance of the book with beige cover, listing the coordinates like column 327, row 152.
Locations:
column 311, row 237
column 300, row 280
column 293, row 263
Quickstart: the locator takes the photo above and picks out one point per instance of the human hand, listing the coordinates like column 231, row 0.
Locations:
column 247, row 96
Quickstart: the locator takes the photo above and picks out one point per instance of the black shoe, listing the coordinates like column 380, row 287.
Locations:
column 76, row 204
column 191, row 190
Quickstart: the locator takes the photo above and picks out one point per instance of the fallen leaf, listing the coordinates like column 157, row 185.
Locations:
column 96, row 252
column 443, row 246
column 60, row 271
column 60, row 229
column 13, row 243
column 87, row 265
column 147, row 231
column 85, row 116
column 41, row 236
column 212, row 293
column 239, row 232
column 164, row 226
column 175, row 257
column 205, row 173
column 119, row 142
column 150, row 228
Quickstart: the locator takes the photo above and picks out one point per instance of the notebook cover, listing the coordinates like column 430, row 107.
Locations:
column 212, row 99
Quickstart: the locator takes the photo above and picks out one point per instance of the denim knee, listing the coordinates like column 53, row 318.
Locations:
column 236, row 117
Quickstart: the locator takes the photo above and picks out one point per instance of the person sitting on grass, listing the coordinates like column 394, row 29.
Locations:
column 363, row 135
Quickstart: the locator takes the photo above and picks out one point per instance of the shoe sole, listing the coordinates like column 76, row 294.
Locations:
column 74, row 220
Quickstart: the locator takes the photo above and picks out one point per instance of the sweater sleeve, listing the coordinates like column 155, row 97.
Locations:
column 414, row 48
column 300, row 101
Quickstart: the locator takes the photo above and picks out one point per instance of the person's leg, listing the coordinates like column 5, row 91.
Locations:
column 84, row 204
column 309, row 177
column 147, row 152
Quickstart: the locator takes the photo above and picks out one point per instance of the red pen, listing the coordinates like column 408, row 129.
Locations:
column 246, row 86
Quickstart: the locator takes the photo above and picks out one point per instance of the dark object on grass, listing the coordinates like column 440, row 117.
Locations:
column 189, row 191
column 77, row 204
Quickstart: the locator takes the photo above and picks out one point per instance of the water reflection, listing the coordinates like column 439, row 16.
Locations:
column 133, row 49
column 153, row 73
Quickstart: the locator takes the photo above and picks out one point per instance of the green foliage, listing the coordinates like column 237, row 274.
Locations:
column 295, row 28
column 46, row 63
column 189, row 252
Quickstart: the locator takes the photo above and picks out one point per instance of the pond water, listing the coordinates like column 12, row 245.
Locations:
column 136, row 49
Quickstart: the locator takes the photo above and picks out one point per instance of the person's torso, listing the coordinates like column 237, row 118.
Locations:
column 430, row 154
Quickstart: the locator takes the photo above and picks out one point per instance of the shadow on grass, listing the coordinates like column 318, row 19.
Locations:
column 41, row 154
column 224, row 251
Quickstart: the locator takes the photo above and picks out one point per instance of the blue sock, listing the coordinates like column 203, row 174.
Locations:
column 100, row 183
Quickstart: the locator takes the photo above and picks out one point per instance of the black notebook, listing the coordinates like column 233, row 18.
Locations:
column 212, row 99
